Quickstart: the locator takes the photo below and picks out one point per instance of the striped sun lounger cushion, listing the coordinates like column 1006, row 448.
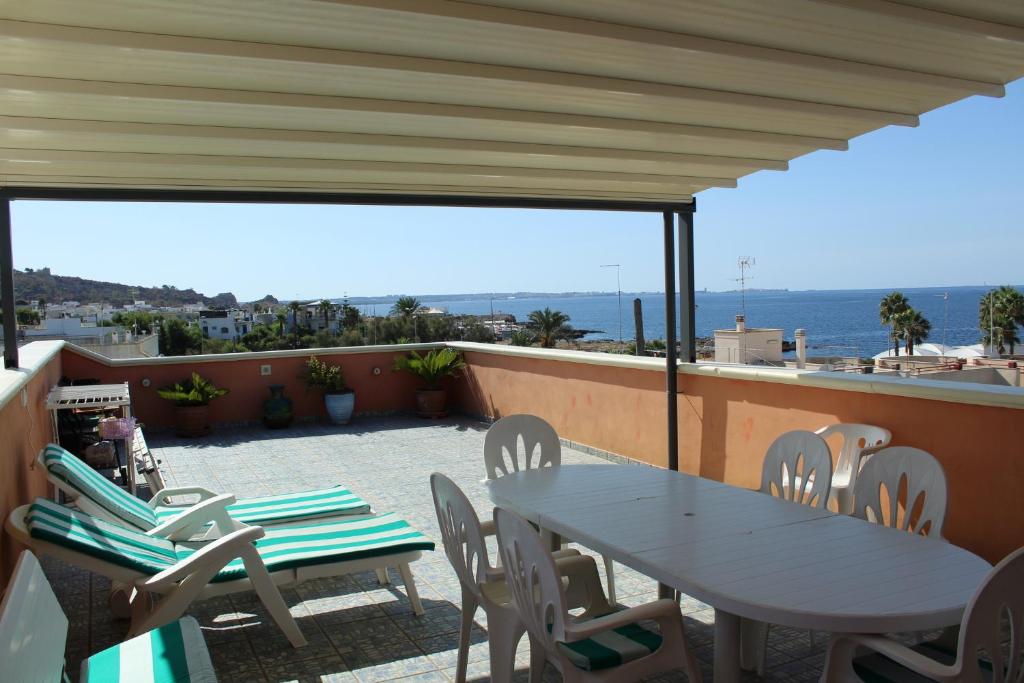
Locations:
column 119, row 545
column 611, row 648
column 89, row 483
column 281, row 548
column 174, row 653
column 336, row 500
column 70, row 469
column 325, row 542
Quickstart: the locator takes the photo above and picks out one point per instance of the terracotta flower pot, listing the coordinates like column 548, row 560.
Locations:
column 431, row 402
column 192, row 421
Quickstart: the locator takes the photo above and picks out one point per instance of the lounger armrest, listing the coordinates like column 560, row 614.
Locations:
column 161, row 496
column 211, row 557
column 195, row 518
column 904, row 656
column 660, row 611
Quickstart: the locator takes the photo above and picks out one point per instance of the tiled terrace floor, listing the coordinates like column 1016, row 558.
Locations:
column 357, row 630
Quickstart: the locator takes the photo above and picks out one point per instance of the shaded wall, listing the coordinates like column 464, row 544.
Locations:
column 24, row 430
column 726, row 425
column 383, row 392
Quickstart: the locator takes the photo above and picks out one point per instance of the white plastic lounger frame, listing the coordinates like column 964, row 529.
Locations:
column 981, row 654
column 540, row 448
column 190, row 578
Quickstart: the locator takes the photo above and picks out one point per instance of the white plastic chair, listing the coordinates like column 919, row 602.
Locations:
column 981, row 653
column 540, row 448
column 910, row 474
column 798, row 468
column 859, row 442
column 483, row 583
column 556, row 638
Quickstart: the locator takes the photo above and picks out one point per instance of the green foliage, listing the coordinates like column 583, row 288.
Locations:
column 27, row 316
column 1000, row 312
column 550, row 326
column 478, row 332
column 194, row 391
column 912, row 327
column 176, row 338
column 351, row 337
column 141, row 322
column 432, row 367
column 523, row 338
column 405, row 306
column 350, row 317
column 656, row 344
column 893, row 305
column 328, row 378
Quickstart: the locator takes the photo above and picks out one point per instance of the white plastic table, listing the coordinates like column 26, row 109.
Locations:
column 748, row 554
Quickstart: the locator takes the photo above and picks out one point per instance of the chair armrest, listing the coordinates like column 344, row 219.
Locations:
column 660, row 611
column 212, row 556
column 194, row 519
column 161, row 496
column 583, row 586
column 904, row 656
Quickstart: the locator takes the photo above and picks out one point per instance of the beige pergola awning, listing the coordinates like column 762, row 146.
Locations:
column 645, row 101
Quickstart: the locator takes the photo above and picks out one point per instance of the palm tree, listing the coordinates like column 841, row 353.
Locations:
column 1001, row 309
column 1012, row 304
column 282, row 320
column 325, row 307
column 405, row 306
column 913, row 327
column 551, row 325
column 892, row 305
column 295, row 307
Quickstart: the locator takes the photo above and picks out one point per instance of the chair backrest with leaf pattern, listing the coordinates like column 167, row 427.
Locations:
column 520, row 442
column 903, row 488
column 461, row 535
column 993, row 628
column 798, row 468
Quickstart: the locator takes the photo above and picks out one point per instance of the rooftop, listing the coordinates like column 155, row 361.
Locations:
column 358, row 630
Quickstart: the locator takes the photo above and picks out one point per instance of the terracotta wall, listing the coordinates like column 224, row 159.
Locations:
column 725, row 426
column 23, row 432
column 387, row 391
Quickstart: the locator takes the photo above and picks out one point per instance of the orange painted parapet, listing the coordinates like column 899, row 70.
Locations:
column 381, row 391
column 726, row 425
column 24, row 430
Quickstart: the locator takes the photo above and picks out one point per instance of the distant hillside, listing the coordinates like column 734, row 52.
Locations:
column 42, row 284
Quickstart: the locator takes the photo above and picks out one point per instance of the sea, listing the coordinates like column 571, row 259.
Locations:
column 838, row 322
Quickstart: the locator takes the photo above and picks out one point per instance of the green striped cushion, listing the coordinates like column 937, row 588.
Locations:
column 97, row 488
column 876, row 668
column 325, row 542
column 175, row 653
column 124, row 547
column 336, row 500
column 611, row 648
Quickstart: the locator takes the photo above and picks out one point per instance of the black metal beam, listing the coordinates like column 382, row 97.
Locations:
column 10, row 321
column 671, row 377
column 337, row 198
column 687, row 298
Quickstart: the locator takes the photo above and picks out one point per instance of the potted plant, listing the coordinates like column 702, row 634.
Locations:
column 191, row 400
column 431, row 368
column 339, row 400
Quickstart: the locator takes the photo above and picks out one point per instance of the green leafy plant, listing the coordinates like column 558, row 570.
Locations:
column 194, row 391
column 432, row 367
column 522, row 338
column 324, row 376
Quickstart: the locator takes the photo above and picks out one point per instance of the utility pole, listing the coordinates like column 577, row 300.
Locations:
column 494, row 329
column 618, row 287
column 945, row 319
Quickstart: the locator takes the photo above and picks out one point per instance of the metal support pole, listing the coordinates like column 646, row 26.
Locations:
column 670, row 340
column 687, row 301
column 10, row 320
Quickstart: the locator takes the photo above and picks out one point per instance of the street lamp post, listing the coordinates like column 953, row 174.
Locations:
column 618, row 287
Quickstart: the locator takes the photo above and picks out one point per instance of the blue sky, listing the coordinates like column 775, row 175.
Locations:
column 939, row 205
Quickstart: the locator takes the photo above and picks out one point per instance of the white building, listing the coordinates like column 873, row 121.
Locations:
column 748, row 345
column 227, row 325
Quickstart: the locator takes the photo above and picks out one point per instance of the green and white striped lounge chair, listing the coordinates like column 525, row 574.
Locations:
column 33, row 630
column 98, row 496
column 251, row 558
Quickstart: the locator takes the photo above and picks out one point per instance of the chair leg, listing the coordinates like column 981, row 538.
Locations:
column 504, row 631
column 382, row 576
column 271, row 598
column 469, row 605
column 410, row 589
column 609, row 572
column 538, row 660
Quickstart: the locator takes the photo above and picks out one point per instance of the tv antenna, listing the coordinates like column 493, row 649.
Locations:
column 745, row 263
